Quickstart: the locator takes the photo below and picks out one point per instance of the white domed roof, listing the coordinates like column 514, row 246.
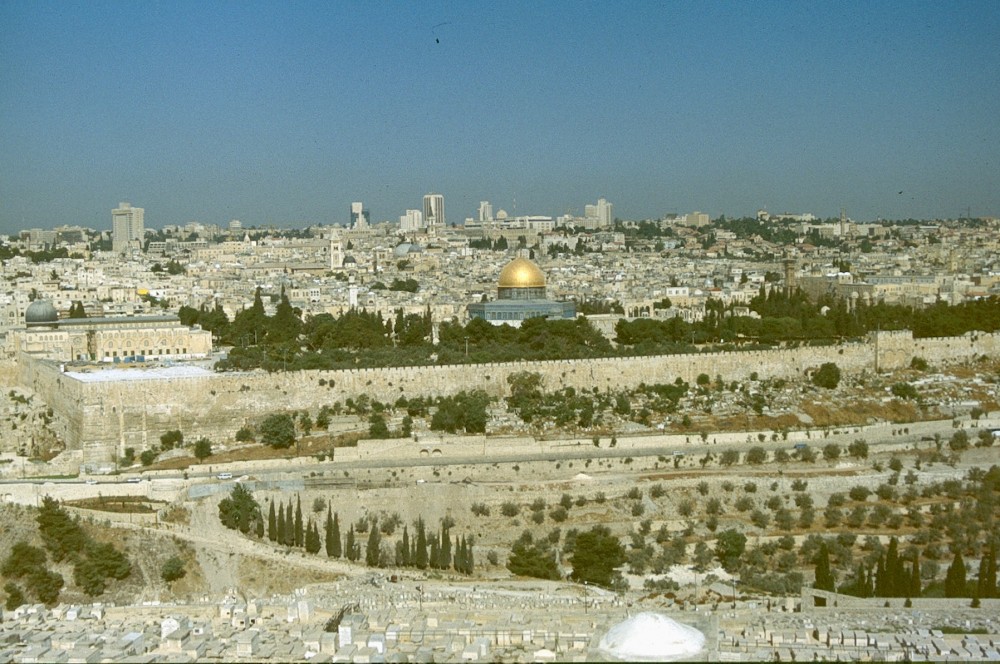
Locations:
column 652, row 637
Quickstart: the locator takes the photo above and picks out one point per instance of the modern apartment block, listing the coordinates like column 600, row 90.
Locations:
column 127, row 228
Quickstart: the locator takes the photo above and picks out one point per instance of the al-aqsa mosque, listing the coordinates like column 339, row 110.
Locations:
column 520, row 295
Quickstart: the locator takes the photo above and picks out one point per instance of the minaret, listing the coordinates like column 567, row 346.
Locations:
column 791, row 275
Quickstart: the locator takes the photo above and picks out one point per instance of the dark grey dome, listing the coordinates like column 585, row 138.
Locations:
column 40, row 312
column 405, row 248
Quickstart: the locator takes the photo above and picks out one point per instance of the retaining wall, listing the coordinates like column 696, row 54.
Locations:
column 103, row 418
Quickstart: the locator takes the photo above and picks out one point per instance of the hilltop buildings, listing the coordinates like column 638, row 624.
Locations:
column 103, row 339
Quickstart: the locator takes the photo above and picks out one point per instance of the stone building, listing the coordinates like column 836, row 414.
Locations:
column 114, row 339
column 520, row 295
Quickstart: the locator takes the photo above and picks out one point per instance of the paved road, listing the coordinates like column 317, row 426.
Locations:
column 572, row 451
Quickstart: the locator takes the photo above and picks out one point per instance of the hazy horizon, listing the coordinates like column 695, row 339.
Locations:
column 285, row 113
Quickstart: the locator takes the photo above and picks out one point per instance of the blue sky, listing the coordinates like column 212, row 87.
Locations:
column 285, row 112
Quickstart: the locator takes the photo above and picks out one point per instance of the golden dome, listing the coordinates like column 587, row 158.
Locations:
column 521, row 273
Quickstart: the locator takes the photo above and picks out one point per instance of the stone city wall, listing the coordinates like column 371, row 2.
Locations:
column 103, row 418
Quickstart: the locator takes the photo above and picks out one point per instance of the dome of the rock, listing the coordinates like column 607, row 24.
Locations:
column 521, row 273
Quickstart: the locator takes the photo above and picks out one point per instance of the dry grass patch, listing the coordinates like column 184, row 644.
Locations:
column 177, row 514
column 262, row 577
column 861, row 412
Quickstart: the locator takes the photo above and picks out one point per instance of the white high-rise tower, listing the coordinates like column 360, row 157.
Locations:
column 434, row 212
column 605, row 213
column 413, row 220
column 360, row 217
column 485, row 211
column 127, row 228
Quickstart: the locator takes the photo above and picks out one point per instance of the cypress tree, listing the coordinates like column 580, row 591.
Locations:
column 272, row 524
column 374, row 543
column 445, row 553
column 914, row 589
column 289, row 525
column 259, row 527
column 281, row 525
column 349, row 548
column 954, row 579
column 299, row 533
column 405, row 549
column 459, row 559
column 338, row 550
column 861, row 581
column 881, row 579
column 328, row 531
column 987, row 584
column 312, row 538
column 892, row 554
column 824, row 575
column 435, row 555
column 899, row 580
column 420, row 551
column 470, row 562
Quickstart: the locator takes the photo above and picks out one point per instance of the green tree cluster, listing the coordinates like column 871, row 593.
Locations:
column 26, row 564
column 529, row 557
column 465, row 411
column 94, row 563
column 240, row 510
column 827, row 376
column 596, row 555
column 278, row 431
column 172, row 569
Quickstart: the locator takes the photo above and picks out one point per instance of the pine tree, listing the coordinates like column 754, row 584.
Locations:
column 272, row 524
column 420, row 552
column 349, row 545
column 289, row 525
column 281, row 525
column 299, row 533
column 374, row 544
column 954, row 580
column 824, row 575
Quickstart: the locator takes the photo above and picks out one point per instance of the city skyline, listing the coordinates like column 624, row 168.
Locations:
column 248, row 111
